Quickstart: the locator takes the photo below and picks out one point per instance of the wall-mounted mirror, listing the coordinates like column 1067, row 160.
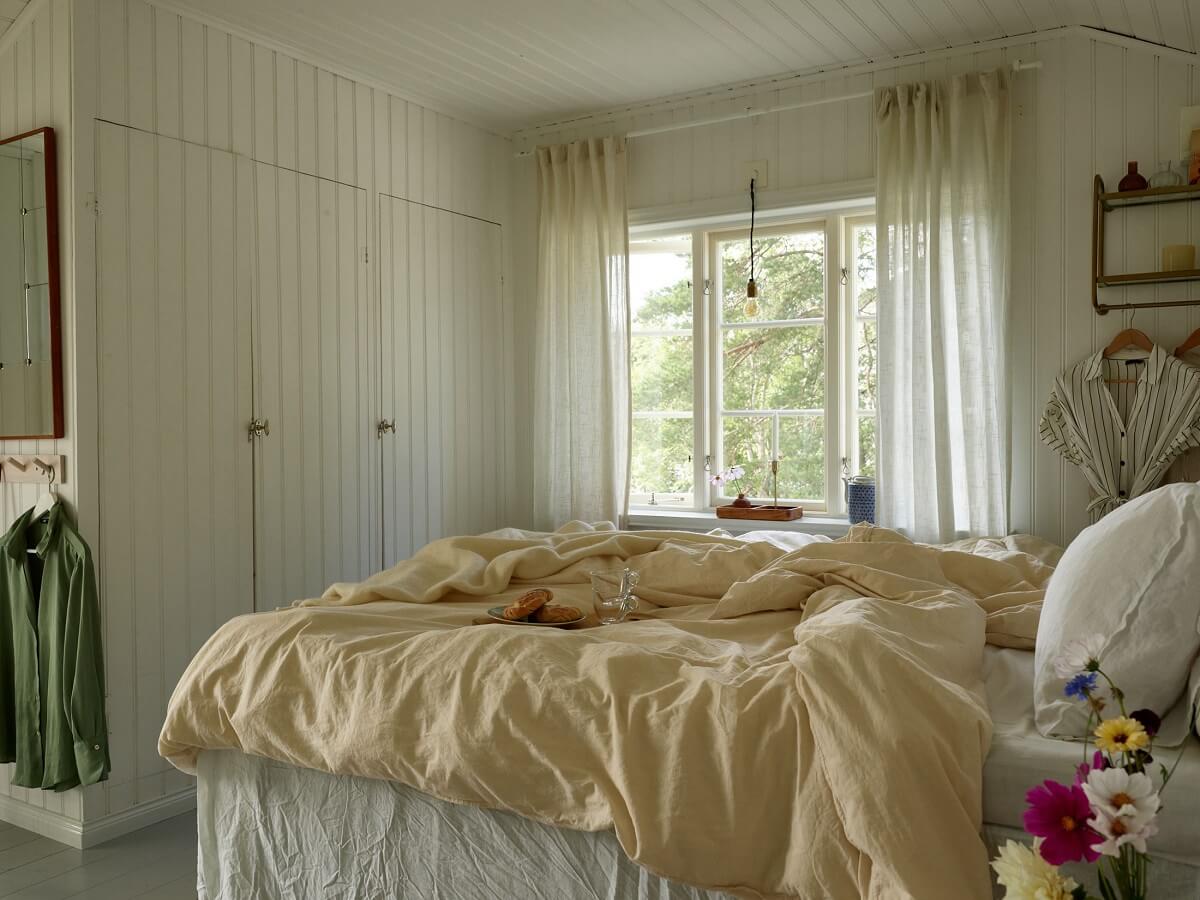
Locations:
column 30, row 344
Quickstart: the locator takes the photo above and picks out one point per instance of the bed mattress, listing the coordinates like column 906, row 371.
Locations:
column 270, row 830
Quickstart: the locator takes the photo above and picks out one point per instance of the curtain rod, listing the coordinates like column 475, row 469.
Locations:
column 751, row 112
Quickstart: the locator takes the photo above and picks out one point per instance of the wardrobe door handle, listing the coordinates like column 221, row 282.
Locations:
column 258, row 428
column 384, row 426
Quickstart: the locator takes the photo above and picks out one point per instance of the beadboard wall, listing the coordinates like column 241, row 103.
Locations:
column 149, row 69
column 1098, row 101
column 35, row 91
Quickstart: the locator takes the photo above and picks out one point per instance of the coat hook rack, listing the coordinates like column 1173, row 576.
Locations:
column 32, row 468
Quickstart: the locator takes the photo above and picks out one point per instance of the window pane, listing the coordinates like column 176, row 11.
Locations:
column 774, row 368
column 661, row 372
column 789, row 270
column 662, row 459
column 867, row 453
column 864, row 268
column 868, row 365
column 660, row 283
column 747, row 443
column 802, row 458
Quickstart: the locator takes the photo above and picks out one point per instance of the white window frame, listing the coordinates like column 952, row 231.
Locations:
column 852, row 459
column 841, row 394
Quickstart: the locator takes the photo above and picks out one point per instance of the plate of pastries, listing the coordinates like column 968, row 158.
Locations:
column 536, row 607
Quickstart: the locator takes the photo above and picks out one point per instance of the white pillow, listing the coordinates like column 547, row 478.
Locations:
column 784, row 540
column 1133, row 579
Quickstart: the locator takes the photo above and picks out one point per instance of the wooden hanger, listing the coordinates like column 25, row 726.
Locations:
column 1130, row 337
column 1191, row 343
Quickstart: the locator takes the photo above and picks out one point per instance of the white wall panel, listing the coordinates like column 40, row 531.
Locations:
column 317, row 471
column 1095, row 104
column 445, row 376
column 174, row 395
column 35, row 91
column 147, row 67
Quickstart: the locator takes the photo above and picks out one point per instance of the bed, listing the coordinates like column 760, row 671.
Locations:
column 271, row 830
column 849, row 684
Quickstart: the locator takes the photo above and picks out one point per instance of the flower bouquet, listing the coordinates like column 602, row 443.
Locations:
column 1107, row 813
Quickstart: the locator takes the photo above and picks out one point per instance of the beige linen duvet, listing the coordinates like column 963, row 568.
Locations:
column 807, row 724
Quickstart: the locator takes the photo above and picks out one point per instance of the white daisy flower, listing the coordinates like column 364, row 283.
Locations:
column 1116, row 792
column 1078, row 656
column 1118, row 831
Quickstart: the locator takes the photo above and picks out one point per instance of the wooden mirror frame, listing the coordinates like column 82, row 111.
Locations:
column 53, row 281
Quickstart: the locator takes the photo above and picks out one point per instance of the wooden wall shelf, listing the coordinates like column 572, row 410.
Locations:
column 1109, row 201
column 1148, row 278
column 1119, row 199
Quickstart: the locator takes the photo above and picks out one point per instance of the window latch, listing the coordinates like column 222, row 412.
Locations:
column 845, row 275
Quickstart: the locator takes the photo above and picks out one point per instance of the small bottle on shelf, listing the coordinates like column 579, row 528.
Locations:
column 1166, row 176
column 1133, row 180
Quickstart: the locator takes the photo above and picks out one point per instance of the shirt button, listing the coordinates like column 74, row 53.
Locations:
column 95, row 746
column 1122, row 462
column 1122, row 493
column 1122, row 434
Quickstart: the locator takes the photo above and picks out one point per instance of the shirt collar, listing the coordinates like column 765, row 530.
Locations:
column 1155, row 363
column 16, row 541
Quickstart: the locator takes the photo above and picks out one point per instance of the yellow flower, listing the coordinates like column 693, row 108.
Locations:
column 1121, row 735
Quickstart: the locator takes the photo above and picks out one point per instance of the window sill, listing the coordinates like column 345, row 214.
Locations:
column 642, row 519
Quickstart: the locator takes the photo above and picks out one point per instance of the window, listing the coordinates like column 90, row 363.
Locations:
column 715, row 387
column 662, row 361
column 860, row 273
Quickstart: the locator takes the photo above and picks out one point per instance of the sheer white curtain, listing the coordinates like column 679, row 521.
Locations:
column 581, row 366
column 943, row 235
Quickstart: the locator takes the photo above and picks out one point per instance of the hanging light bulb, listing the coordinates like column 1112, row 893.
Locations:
column 751, row 306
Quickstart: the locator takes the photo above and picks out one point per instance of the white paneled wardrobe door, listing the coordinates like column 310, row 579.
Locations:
column 315, row 462
column 174, row 388
column 445, row 374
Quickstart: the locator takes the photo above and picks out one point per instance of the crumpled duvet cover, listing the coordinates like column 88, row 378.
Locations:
column 805, row 724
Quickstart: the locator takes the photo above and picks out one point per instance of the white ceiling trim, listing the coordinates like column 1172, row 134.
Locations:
column 746, row 89
column 329, row 65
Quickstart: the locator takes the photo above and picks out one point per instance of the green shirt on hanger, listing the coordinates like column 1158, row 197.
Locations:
column 52, row 721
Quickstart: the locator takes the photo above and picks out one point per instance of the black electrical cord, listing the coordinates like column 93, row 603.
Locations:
column 752, row 207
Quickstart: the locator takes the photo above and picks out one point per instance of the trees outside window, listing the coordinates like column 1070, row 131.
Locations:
column 715, row 387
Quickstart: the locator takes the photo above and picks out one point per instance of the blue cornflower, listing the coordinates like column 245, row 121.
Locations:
column 1081, row 685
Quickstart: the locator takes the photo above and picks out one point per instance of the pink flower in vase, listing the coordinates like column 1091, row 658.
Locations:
column 1059, row 815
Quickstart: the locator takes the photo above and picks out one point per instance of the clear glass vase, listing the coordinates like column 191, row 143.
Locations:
column 1166, row 176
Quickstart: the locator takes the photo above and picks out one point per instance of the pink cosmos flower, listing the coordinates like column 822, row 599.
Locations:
column 1059, row 814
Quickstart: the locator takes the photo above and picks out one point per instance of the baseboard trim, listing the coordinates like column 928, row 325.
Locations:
column 82, row 835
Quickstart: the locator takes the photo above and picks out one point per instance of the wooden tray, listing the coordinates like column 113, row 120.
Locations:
column 763, row 513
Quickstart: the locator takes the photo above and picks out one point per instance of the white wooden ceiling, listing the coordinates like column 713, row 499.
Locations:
column 8, row 11
column 514, row 63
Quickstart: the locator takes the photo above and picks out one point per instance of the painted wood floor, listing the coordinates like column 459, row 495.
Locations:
column 156, row 863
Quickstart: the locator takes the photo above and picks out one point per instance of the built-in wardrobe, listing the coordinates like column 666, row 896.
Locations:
column 276, row 412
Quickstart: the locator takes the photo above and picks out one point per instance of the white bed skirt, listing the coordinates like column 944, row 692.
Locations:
column 269, row 831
